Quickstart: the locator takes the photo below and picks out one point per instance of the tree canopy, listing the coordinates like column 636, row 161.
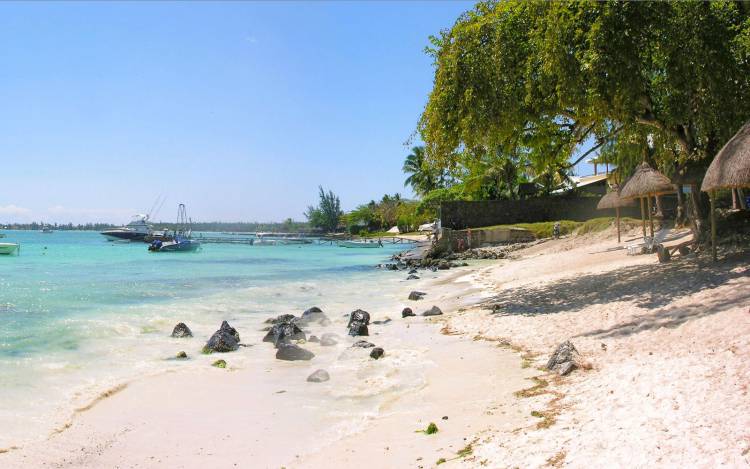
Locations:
column 664, row 81
column 328, row 212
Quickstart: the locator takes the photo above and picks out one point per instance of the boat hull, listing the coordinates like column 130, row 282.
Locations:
column 115, row 235
column 7, row 249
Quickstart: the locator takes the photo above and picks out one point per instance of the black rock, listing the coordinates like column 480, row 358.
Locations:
column 376, row 353
column 391, row 266
column 282, row 318
column 319, row 376
column 284, row 332
column 291, row 352
column 223, row 340
column 444, row 265
column 313, row 314
column 313, row 339
column 413, row 271
column 225, row 327
column 359, row 316
column 363, row 344
column 412, row 277
column 564, row 359
column 416, row 295
column 181, row 330
column 358, row 328
column 434, row 311
column 382, row 322
column 406, row 312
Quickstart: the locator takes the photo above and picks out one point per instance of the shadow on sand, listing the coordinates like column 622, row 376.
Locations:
column 649, row 286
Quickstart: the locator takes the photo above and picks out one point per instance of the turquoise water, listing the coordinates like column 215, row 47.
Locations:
column 79, row 314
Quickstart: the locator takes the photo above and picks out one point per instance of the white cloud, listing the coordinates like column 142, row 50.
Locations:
column 14, row 211
column 60, row 213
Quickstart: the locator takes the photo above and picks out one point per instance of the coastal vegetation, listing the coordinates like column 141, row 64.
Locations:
column 539, row 86
column 327, row 213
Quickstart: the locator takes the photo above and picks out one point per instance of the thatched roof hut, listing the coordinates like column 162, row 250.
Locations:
column 730, row 167
column 613, row 200
column 646, row 181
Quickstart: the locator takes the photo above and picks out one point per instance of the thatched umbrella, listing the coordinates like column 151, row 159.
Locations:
column 613, row 200
column 730, row 169
column 646, row 182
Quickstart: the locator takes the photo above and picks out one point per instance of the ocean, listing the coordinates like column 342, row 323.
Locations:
column 80, row 315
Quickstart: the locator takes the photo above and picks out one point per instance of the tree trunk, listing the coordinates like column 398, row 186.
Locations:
column 659, row 208
column 679, row 219
column 735, row 202
column 695, row 213
column 743, row 201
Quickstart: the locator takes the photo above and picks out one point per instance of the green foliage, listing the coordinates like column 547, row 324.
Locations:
column 328, row 212
column 431, row 429
column 219, row 364
column 206, row 350
column 596, row 225
column 423, row 177
column 390, row 211
column 440, row 461
column 664, row 81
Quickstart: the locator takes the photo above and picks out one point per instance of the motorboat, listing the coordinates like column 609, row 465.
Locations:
column 180, row 240
column 361, row 244
column 47, row 229
column 136, row 230
column 7, row 249
column 177, row 244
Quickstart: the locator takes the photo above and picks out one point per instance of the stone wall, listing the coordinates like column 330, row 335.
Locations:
column 461, row 240
column 459, row 215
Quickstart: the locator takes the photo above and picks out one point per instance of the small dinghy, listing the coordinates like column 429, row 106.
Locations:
column 181, row 240
column 6, row 249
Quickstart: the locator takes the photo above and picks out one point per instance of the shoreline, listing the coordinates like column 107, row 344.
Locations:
column 107, row 434
column 663, row 348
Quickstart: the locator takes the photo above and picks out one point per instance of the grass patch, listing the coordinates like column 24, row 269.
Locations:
column 542, row 229
column 206, row 350
column 440, row 461
column 219, row 364
column 596, row 225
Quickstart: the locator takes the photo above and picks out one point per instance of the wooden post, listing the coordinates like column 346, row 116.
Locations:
column 617, row 212
column 650, row 219
column 643, row 218
column 713, row 224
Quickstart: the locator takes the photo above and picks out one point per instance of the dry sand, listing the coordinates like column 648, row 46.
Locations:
column 668, row 346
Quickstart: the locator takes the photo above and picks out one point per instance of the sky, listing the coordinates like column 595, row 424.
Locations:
column 240, row 110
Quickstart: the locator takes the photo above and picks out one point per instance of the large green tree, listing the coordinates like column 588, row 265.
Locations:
column 328, row 212
column 423, row 177
column 548, row 76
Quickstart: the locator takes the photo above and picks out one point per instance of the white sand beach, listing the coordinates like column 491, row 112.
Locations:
column 667, row 346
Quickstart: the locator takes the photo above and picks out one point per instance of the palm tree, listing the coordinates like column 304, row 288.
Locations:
column 421, row 178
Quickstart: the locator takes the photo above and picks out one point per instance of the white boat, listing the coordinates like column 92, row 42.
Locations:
column 136, row 230
column 361, row 244
column 7, row 249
